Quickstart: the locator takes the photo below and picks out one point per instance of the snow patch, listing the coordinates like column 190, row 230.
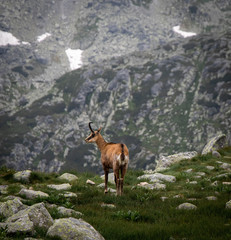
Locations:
column 43, row 37
column 74, row 57
column 183, row 33
column 7, row 38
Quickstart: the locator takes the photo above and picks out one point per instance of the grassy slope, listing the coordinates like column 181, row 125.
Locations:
column 140, row 213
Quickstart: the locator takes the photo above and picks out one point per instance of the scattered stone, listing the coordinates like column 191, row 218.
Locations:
column 214, row 184
column 223, row 175
column 3, row 189
column 226, row 183
column 69, row 177
column 69, row 194
column 9, row 208
column 106, row 205
column 23, row 176
column 165, row 162
column 111, row 178
column 90, row 182
column 200, row 173
column 216, row 154
column 193, row 182
column 60, row 187
column 228, row 204
column 31, row 194
column 163, row 198
column 215, row 143
column 211, row 198
column 154, row 186
column 26, row 220
column 68, row 212
column 71, row 228
column 226, row 166
column 189, row 170
column 187, row 206
column 157, row 177
column 197, row 177
column 210, row 167
column 102, row 185
column 192, row 199
column 177, row 196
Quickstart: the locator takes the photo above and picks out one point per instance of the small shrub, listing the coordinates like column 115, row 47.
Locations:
column 133, row 216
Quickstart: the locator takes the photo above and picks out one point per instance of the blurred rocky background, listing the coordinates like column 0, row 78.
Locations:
column 144, row 82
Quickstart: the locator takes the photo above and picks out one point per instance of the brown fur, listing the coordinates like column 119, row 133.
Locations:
column 113, row 156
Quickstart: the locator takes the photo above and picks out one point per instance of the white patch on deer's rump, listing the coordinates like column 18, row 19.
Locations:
column 118, row 159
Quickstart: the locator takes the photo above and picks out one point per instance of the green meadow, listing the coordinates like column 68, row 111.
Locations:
column 141, row 213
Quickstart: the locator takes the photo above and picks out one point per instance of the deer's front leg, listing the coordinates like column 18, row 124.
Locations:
column 106, row 180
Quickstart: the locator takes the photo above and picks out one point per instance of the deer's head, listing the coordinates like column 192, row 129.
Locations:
column 93, row 136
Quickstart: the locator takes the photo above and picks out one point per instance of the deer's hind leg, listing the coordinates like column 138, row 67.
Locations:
column 123, row 170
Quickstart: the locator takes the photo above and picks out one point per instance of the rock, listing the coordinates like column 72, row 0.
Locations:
column 68, row 212
column 23, row 176
column 166, row 161
column 214, row 184
column 106, row 205
column 226, row 183
column 223, row 175
column 31, row 194
column 215, row 143
column 154, row 186
column 200, row 173
column 188, row 170
column 69, row 177
column 187, row 206
column 3, row 189
column 71, row 228
column 228, row 204
column 211, row 198
column 210, row 167
column 193, row 182
column 69, row 194
column 59, row 187
column 26, row 220
column 111, row 178
column 156, row 177
column 163, row 198
column 102, row 185
column 11, row 207
column 90, row 182
column 216, row 154
column 226, row 166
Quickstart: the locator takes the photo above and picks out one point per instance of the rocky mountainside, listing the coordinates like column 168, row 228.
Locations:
column 143, row 82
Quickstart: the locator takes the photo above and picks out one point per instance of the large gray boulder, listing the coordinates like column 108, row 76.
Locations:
column 60, row 187
column 187, row 206
column 71, row 228
column 23, row 176
column 11, row 207
column 68, row 177
column 166, row 161
column 26, row 220
column 215, row 143
column 31, row 194
column 157, row 177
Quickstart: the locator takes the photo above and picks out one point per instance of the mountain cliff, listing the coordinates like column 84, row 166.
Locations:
column 139, row 79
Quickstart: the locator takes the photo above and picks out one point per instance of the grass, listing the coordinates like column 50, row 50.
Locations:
column 140, row 213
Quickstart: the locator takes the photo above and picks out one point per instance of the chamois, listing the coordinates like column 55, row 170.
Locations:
column 113, row 155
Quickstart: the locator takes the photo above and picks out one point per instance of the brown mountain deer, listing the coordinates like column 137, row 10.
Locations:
column 113, row 155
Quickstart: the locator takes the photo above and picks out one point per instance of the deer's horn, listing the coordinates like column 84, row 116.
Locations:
column 90, row 126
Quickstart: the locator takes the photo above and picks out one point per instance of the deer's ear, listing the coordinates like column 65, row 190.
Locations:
column 99, row 130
